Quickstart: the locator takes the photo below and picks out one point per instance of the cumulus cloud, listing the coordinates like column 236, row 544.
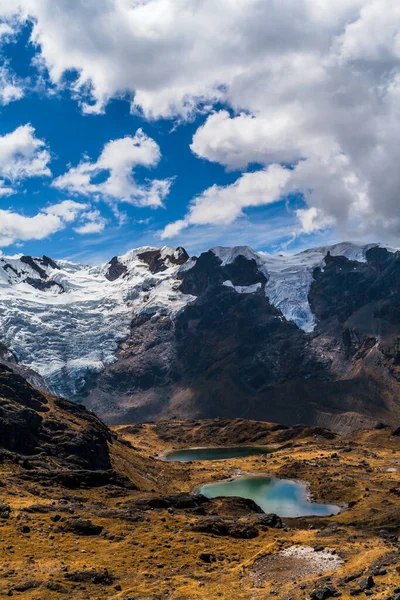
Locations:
column 22, row 156
column 172, row 54
column 237, row 142
column 11, row 89
column 16, row 227
column 92, row 222
column 311, row 83
column 223, row 205
column 68, row 210
column 116, row 166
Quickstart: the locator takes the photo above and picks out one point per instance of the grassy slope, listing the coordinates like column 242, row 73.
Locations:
column 158, row 557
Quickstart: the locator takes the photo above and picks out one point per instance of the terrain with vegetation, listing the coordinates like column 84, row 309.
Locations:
column 89, row 512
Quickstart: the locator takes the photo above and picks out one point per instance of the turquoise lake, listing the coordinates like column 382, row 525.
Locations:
column 283, row 497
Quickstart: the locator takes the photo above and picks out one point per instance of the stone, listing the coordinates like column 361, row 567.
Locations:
column 83, row 527
column 323, row 592
column 207, row 557
column 25, row 529
column 225, row 527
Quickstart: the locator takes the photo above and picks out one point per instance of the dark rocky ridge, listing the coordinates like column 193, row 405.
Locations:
column 115, row 270
column 158, row 263
column 235, row 355
column 34, row 424
column 38, row 265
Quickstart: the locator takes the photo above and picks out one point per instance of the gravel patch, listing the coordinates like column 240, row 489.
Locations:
column 292, row 563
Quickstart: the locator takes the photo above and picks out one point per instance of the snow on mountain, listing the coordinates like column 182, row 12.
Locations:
column 229, row 255
column 289, row 277
column 64, row 320
column 243, row 289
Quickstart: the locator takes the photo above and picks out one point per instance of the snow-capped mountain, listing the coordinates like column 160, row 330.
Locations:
column 289, row 277
column 64, row 320
column 220, row 334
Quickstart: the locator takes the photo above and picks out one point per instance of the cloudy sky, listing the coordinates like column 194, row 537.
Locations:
column 272, row 123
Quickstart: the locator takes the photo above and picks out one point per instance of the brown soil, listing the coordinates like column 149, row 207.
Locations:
column 156, row 553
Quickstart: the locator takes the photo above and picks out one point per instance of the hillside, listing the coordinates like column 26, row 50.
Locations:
column 87, row 512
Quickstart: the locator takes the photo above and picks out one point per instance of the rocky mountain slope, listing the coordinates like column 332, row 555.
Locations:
column 91, row 512
column 310, row 338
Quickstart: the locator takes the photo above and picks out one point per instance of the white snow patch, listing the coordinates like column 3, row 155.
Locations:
column 228, row 255
column 243, row 289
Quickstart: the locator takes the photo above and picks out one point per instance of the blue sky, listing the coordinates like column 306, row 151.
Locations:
column 58, row 119
column 241, row 140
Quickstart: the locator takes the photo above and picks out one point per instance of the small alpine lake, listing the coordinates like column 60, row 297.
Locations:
column 222, row 453
column 283, row 497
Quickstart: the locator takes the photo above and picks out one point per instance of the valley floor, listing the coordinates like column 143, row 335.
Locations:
column 107, row 542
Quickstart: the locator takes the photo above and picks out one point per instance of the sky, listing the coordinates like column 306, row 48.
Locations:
column 268, row 123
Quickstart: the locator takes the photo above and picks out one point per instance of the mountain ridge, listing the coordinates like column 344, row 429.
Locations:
column 231, row 333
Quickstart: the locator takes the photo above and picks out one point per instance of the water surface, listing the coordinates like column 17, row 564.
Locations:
column 215, row 453
column 283, row 497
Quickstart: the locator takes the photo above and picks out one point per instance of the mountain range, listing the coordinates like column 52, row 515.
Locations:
column 310, row 338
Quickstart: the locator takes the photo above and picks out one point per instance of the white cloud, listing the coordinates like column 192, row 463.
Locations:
column 68, row 210
column 171, row 54
column 312, row 220
column 222, row 205
column 6, row 30
column 16, row 227
column 5, row 190
column 116, row 165
column 11, row 88
column 93, row 222
column 310, row 82
column 237, row 142
column 23, row 155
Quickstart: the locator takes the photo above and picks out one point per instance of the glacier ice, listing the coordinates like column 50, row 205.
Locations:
column 289, row 277
column 76, row 325
column 66, row 321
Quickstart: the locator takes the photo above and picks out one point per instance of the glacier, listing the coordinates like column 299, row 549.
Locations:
column 67, row 321
column 289, row 276
column 75, row 325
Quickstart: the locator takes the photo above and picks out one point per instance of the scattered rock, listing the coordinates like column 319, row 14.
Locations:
column 56, row 587
column 82, row 527
column 353, row 577
column 26, row 586
column 208, row 557
column 225, row 527
column 270, row 520
column 323, row 592
column 25, row 529
column 5, row 510
column 379, row 572
column 367, row 584
column 90, row 576
column 178, row 501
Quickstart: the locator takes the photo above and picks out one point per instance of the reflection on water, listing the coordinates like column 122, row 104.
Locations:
column 215, row 453
column 280, row 496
